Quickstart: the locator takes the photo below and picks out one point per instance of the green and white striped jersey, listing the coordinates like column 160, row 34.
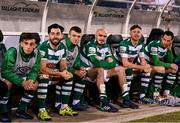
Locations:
column 155, row 54
column 128, row 50
column 53, row 56
column 154, row 48
column 94, row 56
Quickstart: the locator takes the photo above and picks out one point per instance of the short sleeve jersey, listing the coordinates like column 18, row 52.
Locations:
column 130, row 51
column 52, row 56
column 154, row 48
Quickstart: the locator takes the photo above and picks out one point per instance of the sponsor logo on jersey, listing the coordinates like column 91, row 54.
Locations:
column 22, row 71
column 42, row 53
column 92, row 50
column 122, row 49
column 153, row 49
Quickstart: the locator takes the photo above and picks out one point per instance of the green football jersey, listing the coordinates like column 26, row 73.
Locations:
column 156, row 55
column 73, row 55
column 130, row 51
column 53, row 56
column 95, row 56
column 17, row 66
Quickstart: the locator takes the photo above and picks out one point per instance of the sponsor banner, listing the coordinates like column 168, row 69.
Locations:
column 20, row 15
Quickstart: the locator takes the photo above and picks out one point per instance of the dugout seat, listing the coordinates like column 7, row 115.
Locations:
column 3, row 86
column 38, row 39
column 112, row 86
column 2, row 47
column 176, row 46
column 142, row 39
column 155, row 34
column 114, row 42
column 65, row 36
column 86, row 38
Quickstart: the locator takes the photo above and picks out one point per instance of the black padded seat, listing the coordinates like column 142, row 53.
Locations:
column 87, row 38
column 3, row 86
column 114, row 40
column 142, row 39
column 155, row 34
column 2, row 48
column 38, row 39
column 176, row 46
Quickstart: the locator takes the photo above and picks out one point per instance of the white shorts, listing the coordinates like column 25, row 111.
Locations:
column 94, row 79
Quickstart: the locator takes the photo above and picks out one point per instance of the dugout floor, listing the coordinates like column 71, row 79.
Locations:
column 94, row 115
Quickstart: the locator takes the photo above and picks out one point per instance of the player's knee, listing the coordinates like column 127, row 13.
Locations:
column 120, row 69
column 8, row 83
column 100, row 71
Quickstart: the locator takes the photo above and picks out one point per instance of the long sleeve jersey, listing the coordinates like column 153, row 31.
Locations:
column 97, row 56
column 17, row 66
column 156, row 55
column 73, row 55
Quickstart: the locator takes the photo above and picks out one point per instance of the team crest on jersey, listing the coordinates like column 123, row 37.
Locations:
column 153, row 49
column 122, row 49
column 22, row 70
column 42, row 53
column 69, row 59
column 92, row 50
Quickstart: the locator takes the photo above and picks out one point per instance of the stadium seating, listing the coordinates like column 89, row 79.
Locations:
column 37, row 36
column 113, row 89
column 1, row 36
column 142, row 39
column 114, row 41
column 176, row 46
column 65, row 36
column 155, row 34
column 38, row 39
column 3, row 86
column 86, row 38
column 2, row 47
